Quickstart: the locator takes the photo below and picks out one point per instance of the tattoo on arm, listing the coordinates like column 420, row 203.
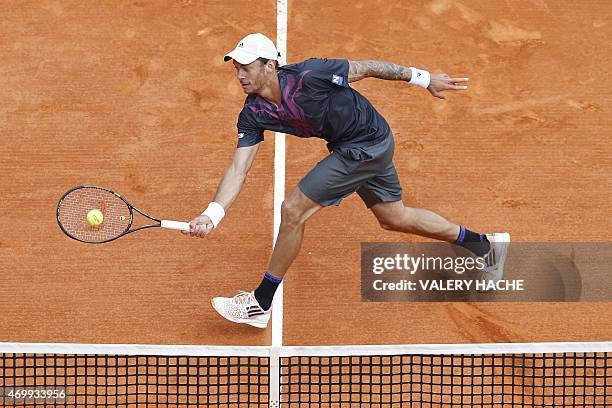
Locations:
column 377, row 69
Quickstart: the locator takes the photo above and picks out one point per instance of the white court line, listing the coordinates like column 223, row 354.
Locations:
column 279, row 174
column 320, row 351
column 134, row 349
column 279, row 196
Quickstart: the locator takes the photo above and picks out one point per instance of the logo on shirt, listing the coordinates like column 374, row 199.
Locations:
column 240, row 135
column 337, row 79
column 241, row 45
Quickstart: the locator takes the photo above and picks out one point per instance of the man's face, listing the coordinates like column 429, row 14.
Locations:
column 252, row 76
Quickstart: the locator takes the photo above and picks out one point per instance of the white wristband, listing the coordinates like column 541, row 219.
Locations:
column 419, row 77
column 215, row 212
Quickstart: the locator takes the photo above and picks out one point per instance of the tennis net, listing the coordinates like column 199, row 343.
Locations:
column 480, row 375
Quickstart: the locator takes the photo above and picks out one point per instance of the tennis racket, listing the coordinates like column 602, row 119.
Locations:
column 118, row 215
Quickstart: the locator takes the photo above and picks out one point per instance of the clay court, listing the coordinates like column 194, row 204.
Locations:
column 134, row 96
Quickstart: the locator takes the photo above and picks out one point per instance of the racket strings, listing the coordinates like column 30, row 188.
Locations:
column 73, row 209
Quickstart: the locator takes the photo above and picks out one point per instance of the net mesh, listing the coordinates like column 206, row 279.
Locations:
column 73, row 208
column 305, row 379
column 513, row 380
column 130, row 381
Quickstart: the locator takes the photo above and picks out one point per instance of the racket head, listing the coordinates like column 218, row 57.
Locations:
column 74, row 205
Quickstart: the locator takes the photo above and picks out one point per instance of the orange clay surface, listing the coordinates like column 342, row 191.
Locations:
column 134, row 96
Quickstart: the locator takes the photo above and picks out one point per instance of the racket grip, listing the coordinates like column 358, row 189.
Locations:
column 175, row 225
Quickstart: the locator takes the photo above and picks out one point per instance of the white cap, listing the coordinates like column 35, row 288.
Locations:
column 251, row 47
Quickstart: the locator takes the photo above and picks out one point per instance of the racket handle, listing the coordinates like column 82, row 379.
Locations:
column 175, row 225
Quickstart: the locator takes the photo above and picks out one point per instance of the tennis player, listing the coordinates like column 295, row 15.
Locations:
column 313, row 98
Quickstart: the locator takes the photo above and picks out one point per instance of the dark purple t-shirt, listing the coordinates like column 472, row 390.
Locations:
column 317, row 101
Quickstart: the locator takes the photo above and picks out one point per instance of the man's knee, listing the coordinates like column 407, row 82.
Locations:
column 387, row 225
column 296, row 209
column 394, row 218
column 291, row 213
column 390, row 224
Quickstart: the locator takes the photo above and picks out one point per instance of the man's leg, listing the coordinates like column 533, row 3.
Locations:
column 382, row 193
column 254, row 307
column 295, row 211
column 325, row 184
column 394, row 216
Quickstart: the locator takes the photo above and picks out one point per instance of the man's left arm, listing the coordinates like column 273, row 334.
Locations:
column 435, row 83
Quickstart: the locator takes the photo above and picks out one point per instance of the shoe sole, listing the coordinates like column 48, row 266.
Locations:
column 503, row 253
column 250, row 322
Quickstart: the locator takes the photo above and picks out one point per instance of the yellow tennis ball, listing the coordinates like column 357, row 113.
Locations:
column 95, row 217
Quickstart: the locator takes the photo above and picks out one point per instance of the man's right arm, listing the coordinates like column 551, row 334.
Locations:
column 229, row 187
column 234, row 177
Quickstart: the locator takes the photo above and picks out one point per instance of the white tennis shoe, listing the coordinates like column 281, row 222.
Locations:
column 242, row 308
column 496, row 257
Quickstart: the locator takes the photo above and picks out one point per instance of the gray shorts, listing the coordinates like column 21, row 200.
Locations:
column 367, row 170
